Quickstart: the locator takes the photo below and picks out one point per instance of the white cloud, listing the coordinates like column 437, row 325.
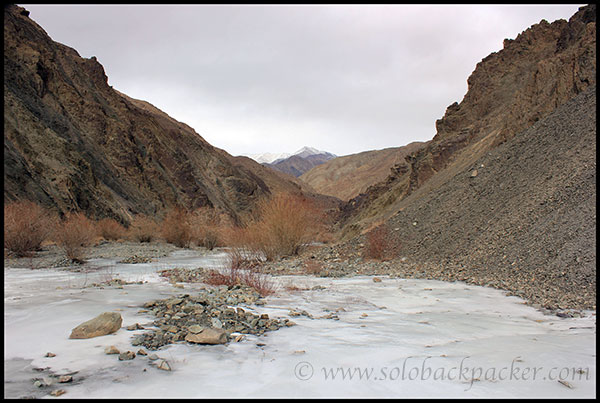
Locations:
column 254, row 79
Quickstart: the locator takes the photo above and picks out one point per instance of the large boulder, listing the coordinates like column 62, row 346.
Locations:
column 207, row 336
column 103, row 324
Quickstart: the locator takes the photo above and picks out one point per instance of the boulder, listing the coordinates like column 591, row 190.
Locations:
column 103, row 324
column 207, row 336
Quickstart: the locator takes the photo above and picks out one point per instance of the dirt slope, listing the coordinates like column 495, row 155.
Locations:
column 348, row 176
column 526, row 210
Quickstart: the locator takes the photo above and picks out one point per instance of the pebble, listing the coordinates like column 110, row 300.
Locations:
column 50, row 355
column 58, row 392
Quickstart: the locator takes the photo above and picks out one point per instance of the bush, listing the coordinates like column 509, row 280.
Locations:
column 206, row 227
column 378, row 243
column 110, row 229
column 232, row 276
column 74, row 235
column 143, row 229
column 26, row 226
column 285, row 224
column 176, row 227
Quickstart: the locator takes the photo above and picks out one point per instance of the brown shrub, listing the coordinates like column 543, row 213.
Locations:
column 110, row 229
column 26, row 226
column 143, row 229
column 74, row 235
column 285, row 223
column 312, row 267
column 378, row 243
column 176, row 227
column 206, row 227
column 234, row 276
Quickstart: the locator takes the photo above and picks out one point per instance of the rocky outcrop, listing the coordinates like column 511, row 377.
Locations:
column 72, row 142
column 510, row 90
column 101, row 325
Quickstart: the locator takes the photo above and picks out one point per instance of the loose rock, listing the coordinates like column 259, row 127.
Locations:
column 103, row 324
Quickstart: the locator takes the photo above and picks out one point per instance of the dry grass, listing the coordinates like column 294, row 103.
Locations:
column 110, row 229
column 74, row 235
column 143, row 229
column 26, row 226
column 176, row 227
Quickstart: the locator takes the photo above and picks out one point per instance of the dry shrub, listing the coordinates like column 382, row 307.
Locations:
column 110, row 229
column 74, row 235
column 206, row 226
column 26, row 226
column 176, row 227
column 285, row 223
column 312, row 267
column 234, row 276
column 143, row 229
column 378, row 243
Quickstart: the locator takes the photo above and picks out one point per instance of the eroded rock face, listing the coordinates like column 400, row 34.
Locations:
column 510, row 90
column 101, row 325
column 72, row 142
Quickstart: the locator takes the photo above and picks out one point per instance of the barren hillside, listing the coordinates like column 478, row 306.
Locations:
column 72, row 142
column 544, row 67
column 348, row 176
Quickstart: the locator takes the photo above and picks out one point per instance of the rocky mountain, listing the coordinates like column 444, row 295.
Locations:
column 541, row 69
column 348, row 176
column 301, row 161
column 522, row 217
column 72, row 142
column 268, row 157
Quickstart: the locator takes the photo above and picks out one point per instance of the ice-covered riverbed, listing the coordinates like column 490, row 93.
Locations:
column 394, row 338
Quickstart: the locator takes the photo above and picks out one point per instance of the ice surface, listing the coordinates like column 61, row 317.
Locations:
column 414, row 326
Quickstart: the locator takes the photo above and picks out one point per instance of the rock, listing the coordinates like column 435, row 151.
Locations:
column 153, row 357
column 141, row 351
column 208, row 336
column 39, row 384
column 136, row 326
column 376, row 280
column 103, row 324
column 127, row 355
column 65, row 379
column 239, row 338
column 216, row 323
column 473, row 173
column 290, row 323
column 195, row 329
column 164, row 365
column 111, row 350
column 58, row 392
column 50, row 355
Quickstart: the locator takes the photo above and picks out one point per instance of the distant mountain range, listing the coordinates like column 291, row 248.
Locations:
column 294, row 164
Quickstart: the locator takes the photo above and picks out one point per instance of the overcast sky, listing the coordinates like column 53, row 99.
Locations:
column 253, row 79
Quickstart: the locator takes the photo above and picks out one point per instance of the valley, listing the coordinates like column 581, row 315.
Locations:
column 278, row 270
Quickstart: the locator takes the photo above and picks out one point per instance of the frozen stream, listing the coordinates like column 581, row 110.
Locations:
column 395, row 338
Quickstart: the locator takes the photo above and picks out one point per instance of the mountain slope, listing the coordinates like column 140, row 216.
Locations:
column 72, row 142
column 545, row 66
column 348, row 176
column 522, row 217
